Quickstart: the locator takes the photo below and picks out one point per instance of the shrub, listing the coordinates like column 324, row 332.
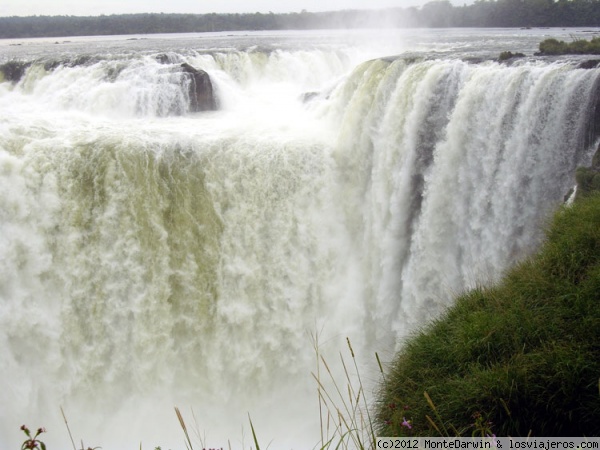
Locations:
column 509, row 55
column 578, row 46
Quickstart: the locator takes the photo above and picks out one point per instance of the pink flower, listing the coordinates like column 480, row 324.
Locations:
column 406, row 423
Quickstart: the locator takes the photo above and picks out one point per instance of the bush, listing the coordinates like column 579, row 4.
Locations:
column 577, row 47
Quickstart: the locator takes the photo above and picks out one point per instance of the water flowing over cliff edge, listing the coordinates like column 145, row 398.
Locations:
column 154, row 256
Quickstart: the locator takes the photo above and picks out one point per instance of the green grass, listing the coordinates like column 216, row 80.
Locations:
column 519, row 358
column 344, row 413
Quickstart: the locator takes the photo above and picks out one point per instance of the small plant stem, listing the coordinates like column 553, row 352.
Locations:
column 360, row 384
column 253, row 433
column 437, row 415
column 68, row 429
column 380, row 368
column 317, row 354
column 182, row 423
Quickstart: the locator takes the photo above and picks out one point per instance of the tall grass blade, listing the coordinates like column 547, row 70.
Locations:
column 68, row 429
column 337, row 388
column 437, row 414
column 380, row 367
column 361, row 390
column 327, row 444
column 182, row 423
column 315, row 339
column 253, row 433
column 350, row 347
column 432, row 423
column 505, row 406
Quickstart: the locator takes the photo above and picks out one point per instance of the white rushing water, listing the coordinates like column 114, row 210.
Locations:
column 151, row 257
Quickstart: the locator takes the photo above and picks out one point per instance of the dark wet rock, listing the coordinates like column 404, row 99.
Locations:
column 162, row 58
column 14, row 70
column 589, row 64
column 202, row 97
column 82, row 60
column 168, row 58
column 112, row 73
column 308, row 96
column 505, row 56
column 51, row 65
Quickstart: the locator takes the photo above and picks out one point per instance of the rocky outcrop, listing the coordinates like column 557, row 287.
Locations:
column 13, row 70
column 169, row 58
column 589, row 64
column 308, row 96
column 506, row 56
column 202, row 96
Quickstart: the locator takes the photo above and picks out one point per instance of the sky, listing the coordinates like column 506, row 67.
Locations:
column 98, row 7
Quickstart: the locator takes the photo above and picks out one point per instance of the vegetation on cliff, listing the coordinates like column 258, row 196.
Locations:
column 517, row 358
column 588, row 178
column 577, row 47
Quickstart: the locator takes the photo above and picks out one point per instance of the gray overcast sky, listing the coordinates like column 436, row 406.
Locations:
column 97, row 7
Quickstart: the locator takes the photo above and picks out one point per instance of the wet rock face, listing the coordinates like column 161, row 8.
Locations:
column 13, row 70
column 308, row 96
column 202, row 97
column 589, row 64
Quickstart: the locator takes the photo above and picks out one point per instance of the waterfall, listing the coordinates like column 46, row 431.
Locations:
column 152, row 260
column 449, row 171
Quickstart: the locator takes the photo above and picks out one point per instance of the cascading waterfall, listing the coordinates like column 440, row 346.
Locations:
column 450, row 170
column 153, row 258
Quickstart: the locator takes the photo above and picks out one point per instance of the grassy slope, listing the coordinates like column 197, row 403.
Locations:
column 520, row 357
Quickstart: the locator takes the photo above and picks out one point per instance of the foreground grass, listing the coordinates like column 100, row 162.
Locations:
column 522, row 357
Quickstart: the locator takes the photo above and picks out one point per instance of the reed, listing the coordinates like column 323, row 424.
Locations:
column 345, row 413
column 184, row 428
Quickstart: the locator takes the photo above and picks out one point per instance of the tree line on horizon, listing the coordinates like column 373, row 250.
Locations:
column 435, row 14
